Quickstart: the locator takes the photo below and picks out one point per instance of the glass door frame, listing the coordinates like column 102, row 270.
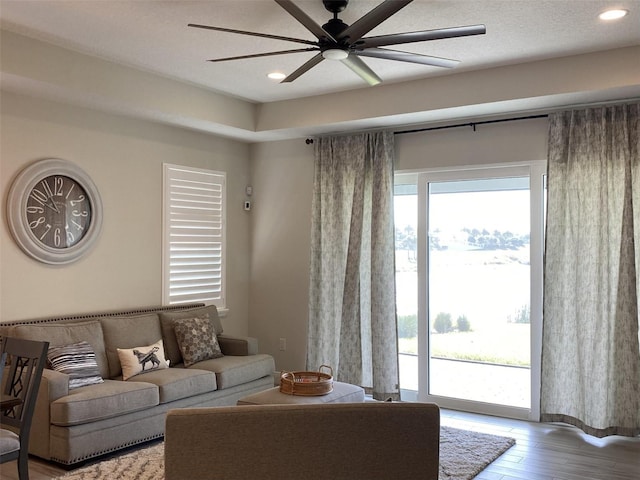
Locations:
column 536, row 171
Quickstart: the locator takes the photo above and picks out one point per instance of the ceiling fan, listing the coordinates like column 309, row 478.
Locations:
column 338, row 41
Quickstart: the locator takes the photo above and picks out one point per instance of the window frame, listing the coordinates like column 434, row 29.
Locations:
column 215, row 244
column 536, row 170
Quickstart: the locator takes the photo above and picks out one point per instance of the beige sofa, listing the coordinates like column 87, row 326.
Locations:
column 72, row 425
column 336, row 441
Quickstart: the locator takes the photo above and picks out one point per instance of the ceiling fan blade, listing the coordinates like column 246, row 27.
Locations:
column 254, row 34
column 362, row 69
column 304, row 68
column 372, row 19
column 304, row 19
column 268, row 54
column 407, row 57
column 410, row 37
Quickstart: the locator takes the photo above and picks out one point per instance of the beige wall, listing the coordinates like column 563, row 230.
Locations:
column 124, row 158
column 268, row 248
column 282, row 176
column 517, row 141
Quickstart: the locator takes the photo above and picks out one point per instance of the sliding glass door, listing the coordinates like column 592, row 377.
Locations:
column 469, row 264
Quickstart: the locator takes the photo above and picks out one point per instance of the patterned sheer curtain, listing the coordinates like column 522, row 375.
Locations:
column 591, row 357
column 352, row 313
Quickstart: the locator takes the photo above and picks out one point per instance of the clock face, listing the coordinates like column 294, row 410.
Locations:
column 58, row 211
column 54, row 211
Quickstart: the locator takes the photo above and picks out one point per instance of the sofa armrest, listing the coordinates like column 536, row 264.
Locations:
column 54, row 385
column 241, row 346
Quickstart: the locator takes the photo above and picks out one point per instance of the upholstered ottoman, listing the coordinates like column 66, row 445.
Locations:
column 342, row 393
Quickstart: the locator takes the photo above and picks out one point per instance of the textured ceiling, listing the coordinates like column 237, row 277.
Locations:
column 153, row 36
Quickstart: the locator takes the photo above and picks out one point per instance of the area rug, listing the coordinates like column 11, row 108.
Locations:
column 463, row 454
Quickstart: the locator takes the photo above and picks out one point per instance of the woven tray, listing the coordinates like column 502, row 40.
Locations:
column 307, row 383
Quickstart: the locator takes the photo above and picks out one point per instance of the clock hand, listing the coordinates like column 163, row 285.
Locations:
column 53, row 206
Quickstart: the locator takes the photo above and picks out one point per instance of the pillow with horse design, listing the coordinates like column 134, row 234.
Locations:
column 135, row 361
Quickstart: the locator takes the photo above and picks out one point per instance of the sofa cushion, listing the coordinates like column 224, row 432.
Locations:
column 77, row 360
column 61, row 334
column 9, row 441
column 231, row 370
column 196, row 339
column 177, row 383
column 167, row 319
column 135, row 361
column 105, row 400
column 128, row 332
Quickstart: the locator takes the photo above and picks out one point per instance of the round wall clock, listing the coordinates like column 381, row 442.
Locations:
column 54, row 211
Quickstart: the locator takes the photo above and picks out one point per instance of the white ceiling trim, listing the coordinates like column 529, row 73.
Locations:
column 37, row 68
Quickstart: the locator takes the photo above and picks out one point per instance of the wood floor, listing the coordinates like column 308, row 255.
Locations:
column 552, row 452
column 542, row 452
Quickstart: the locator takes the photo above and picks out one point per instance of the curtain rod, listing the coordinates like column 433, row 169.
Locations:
column 473, row 125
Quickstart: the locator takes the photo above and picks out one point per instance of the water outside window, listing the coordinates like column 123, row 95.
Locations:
column 406, row 232
column 478, row 289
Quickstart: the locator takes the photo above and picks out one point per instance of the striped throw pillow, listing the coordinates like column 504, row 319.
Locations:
column 78, row 361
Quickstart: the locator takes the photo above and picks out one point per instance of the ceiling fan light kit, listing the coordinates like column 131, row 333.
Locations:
column 335, row 40
column 335, row 54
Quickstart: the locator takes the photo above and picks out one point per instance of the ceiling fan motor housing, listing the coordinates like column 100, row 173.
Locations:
column 335, row 6
column 335, row 27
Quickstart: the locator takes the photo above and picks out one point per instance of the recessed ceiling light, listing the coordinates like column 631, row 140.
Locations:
column 612, row 14
column 276, row 75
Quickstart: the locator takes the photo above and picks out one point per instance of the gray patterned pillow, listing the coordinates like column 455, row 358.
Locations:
column 167, row 319
column 78, row 361
column 197, row 340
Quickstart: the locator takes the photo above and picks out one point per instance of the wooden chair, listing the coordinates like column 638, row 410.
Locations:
column 3, row 361
column 27, row 359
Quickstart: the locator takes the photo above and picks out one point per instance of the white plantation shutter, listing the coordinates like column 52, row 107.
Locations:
column 194, row 236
